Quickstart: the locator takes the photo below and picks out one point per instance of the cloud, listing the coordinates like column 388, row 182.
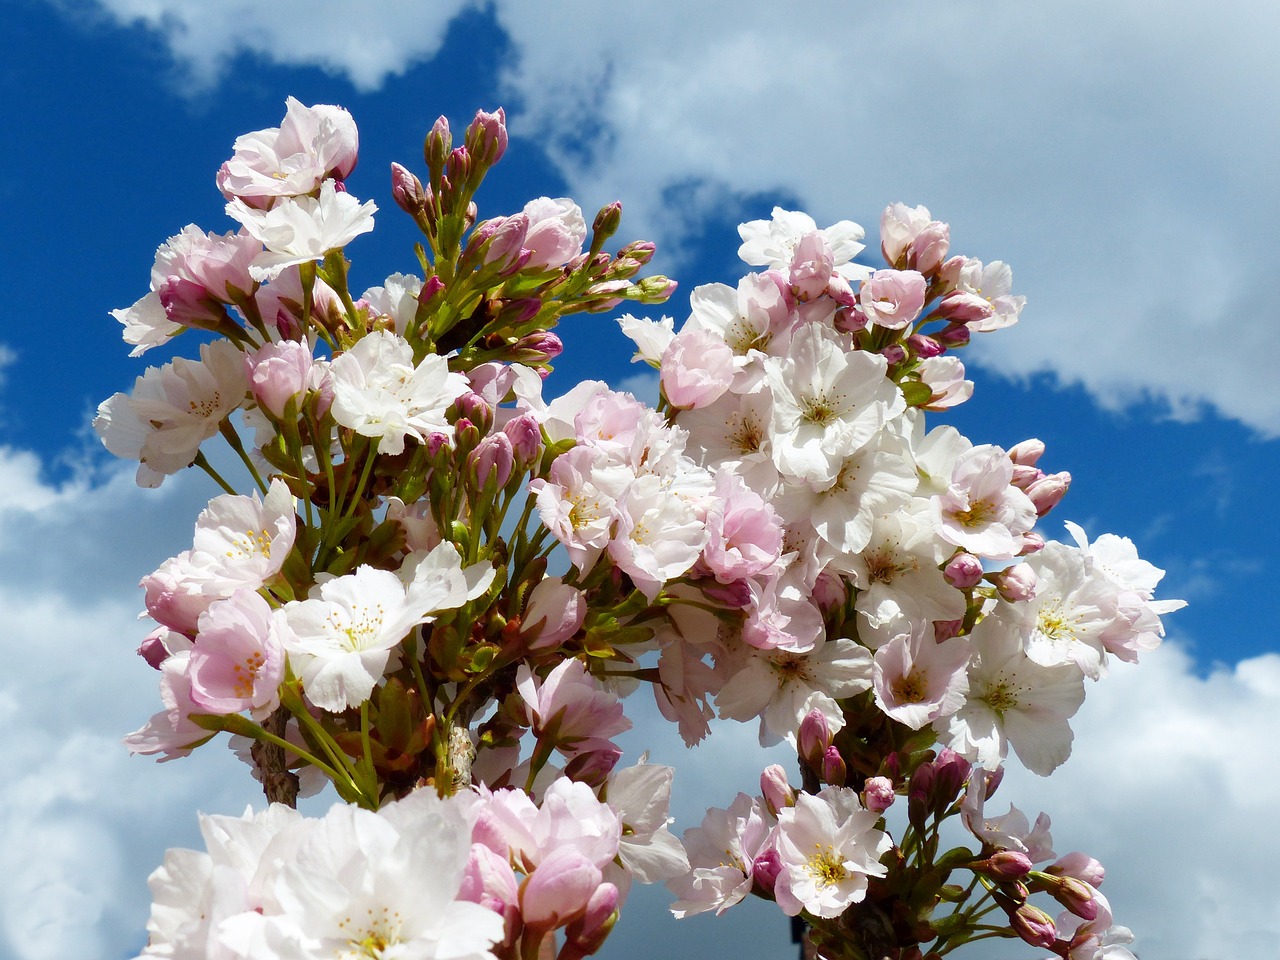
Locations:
column 1121, row 162
column 366, row 43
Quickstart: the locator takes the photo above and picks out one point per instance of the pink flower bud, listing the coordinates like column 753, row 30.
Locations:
column 492, row 459
column 1034, row 926
column 1079, row 865
column 587, row 934
column 765, row 869
column 929, row 249
column 1024, row 476
column 944, row 630
column 153, row 650
column 435, row 443
column 834, row 770
column 487, row 136
column 829, row 592
column 963, row 571
column 894, row 353
column 435, row 150
column 476, row 409
column 606, row 225
column 1005, row 865
column 278, row 373
column 595, row 763
column 553, row 613
column 525, row 435
column 190, row 304
column 814, row 738
column 1017, row 583
column 505, row 245
column 735, row 595
column 925, row 347
column 775, row 789
column 542, row 344
column 1077, row 896
column 407, row 191
column 1031, row 543
column 1027, row 453
column 1048, row 490
column 964, row 307
column 956, row 335
column 559, row 889
column 878, row 794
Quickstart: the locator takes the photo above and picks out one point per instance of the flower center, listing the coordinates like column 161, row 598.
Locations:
column 909, row 689
column 825, row 867
column 977, row 515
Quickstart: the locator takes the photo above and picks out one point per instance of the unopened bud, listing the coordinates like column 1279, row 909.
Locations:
column 962, row 307
column 878, row 794
column 1079, row 865
column 506, row 243
column 436, row 147
column 777, row 792
column 765, row 869
column 955, row 335
column 834, row 770
column 1077, row 897
column 1048, row 490
column 641, row 251
column 894, row 353
column 486, row 137
column 929, row 249
column 944, row 630
column 1017, row 583
column 1027, row 453
column 153, row 650
column 1004, row 865
column 925, row 347
column 407, row 191
column 963, row 571
column 526, row 438
column 1034, row 926
column 606, row 223
column 476, row 409
column 814, row 738
column 1031, row 543
column 655, row 289
column 492, row 459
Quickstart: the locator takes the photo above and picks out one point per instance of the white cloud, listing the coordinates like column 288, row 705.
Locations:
column 1121, row 161
column 366, row 43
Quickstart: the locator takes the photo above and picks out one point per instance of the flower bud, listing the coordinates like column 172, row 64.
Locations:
column 1034, row 926
column 829, row 592
column 278, row 373
column 963, row 571
column 961, row 307
column 878, row 794
column 765, row 869
column 775, row 789
column 1017, row 583
column 153, row 650
column 407, row 191
column 925, row 347
column 1004, row 865
column 1027, row 453
column 526, row 439
column 929, row 249
column 606, row 223
column 1024, row 476
column 486, row 137
column 436, row 147
column 956, row 335
column 834, row 770
column 459, row 165
column 1079, row 865
column 505, row 248
column 593, row 767
column 491, row 459
column 1048, row 490
column 736, row 595
column 894, row 353
column 191, row 305
column 587, row 934
column 553, row 613
column 639, row 251
column 559, row 889
column 1031, row 543
column 944, row 630
column 1077, row 897
column 475, row 409
column 814, row 738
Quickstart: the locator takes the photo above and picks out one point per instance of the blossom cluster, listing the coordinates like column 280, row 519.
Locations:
column 444, row 585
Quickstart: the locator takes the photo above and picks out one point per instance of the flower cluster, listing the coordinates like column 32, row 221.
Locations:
column 782, row 540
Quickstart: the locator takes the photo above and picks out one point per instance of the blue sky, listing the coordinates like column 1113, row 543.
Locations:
column 1124, row 166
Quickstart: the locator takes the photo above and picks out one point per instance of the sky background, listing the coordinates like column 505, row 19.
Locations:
column 1120, row 155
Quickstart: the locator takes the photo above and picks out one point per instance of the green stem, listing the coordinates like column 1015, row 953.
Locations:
column 233, row 440
column 203, row 463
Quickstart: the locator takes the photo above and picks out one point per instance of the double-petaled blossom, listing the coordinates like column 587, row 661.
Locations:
column 981, row 511
column 380, row 393
column 569, row 706
column 301, row 229
column 829, row 846
column 311, row 145
column 238, row 660
column 172, row 410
